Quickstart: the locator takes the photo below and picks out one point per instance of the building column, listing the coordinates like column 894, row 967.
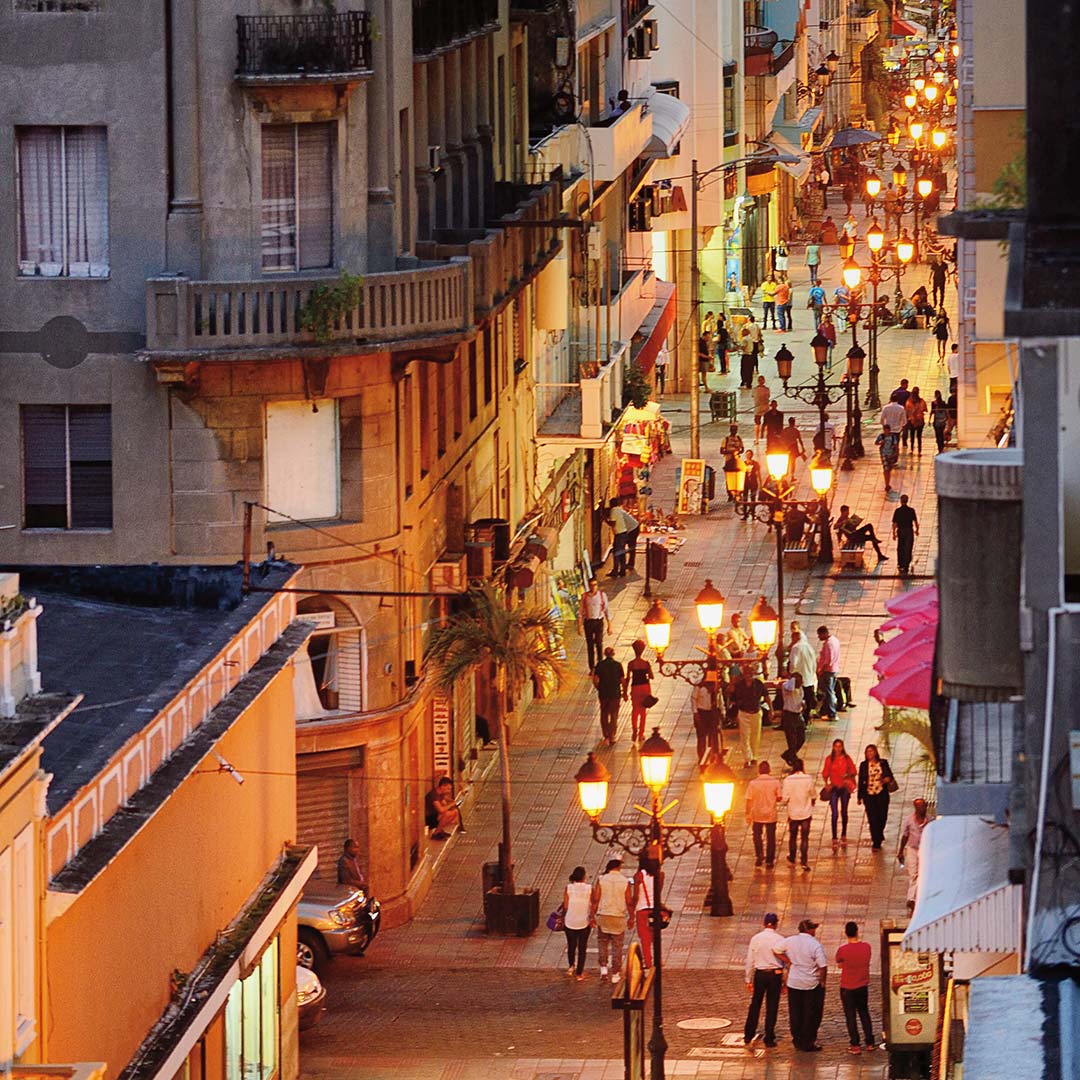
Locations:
column 183, row 226
column 383, row 243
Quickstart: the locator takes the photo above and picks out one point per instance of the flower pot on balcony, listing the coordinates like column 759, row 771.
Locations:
column 517, row 913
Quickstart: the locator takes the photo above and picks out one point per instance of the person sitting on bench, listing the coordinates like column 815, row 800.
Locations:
column 441, row 813
column 852, row 533
column 796, row 520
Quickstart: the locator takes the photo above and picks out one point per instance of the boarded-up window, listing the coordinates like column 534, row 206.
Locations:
column 67, row 466
column 302, row 471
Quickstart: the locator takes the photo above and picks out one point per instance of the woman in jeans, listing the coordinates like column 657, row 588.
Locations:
column 577, row 902
column 873, row 789
column 839, row 774
column 939, row 417
column 915, row 407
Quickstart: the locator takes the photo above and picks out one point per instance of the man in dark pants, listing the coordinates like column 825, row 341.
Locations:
column 608, row 678
column 764, row 980
column 792, row 720
column 808, row 967
column 854, row 961
column 905, row 527
column 593, row 612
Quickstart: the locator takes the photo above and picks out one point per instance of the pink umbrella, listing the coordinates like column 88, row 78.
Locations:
column 911, row 620
column 909, row 639
column 910, row 689
column 913, row 600
column 900, row 661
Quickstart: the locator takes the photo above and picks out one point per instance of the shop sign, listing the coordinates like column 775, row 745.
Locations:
column 691, row 486
column 440, row 731
column 912, row 991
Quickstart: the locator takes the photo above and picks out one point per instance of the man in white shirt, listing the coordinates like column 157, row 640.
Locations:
column 802, row 659
column 910, row 842
column 792, row 721
column 762, row 795
column 593, row 612
column 800, row 794
column 895, row 415
column 626, row 529
column 808, row 967
column 764, row 980
column 828, row 667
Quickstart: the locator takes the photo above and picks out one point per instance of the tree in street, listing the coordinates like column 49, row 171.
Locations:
column 510, row 645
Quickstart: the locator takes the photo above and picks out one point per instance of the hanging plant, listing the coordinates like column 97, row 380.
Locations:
column 636, row 388
column 329, row 304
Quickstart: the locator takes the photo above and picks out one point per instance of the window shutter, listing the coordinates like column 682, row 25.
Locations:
column 278, row 198
column 90, row 440
column 45, row 466
column 315, row 164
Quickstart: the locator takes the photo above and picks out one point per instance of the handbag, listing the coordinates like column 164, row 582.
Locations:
column 649, row 701
column 557, row 919
column 891, row 786
column 826, row 793
column 665, row 917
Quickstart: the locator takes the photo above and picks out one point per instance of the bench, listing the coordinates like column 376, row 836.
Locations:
column 798, row 555
column 853, row 556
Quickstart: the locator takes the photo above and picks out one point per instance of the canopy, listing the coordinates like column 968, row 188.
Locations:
column 670, row 119
column 912, row 600
column 656, row 327
column 964, row 900
column 898, row 661
column 901, row 28
column 908, row 689
column 910, row 620
column 840, row 140
column 910, row 639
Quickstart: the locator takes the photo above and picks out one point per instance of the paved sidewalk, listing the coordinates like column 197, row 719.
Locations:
column 454, row 1015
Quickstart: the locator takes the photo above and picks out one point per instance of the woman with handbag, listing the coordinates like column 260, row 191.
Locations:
column 641, row 902
column 876, row 782
column 639, row 679
column 577, row 922
column 840, row 779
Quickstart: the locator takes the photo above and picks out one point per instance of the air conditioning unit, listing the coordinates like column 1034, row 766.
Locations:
column 479, row 560
column 450, row 575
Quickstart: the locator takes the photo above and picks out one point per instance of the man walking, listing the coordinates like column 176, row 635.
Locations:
column 853, row 957
column 706, row 720
column 801, row 659
column 905, row 527
column 828, row 667
column 764, row 980
column 792, row 721
column 816, row 299
column 761, row 404
column 772, row 424
column 608, row 679
column 807, row 968
column 749, row 341
column 762, row 795
column 612, row 914
column 593, row 612
column 749, row 696
column 799, row 793
column 939, row 275
column 908, row 854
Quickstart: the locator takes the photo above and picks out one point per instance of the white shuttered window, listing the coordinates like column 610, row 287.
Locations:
column 297, row 197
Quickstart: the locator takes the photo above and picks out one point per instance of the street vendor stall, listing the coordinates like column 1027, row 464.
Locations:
column 644, row 437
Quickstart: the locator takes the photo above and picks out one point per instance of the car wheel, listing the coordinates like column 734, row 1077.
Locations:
column 311, row 950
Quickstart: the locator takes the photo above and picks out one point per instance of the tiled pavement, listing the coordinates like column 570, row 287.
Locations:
column 445, row 948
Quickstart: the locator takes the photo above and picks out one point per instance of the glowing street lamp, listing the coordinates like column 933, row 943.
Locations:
column 939, row 76
column 852, row 273
column 777, row 462
column 918, row 82
column 592, row 784
column 939, row 55
column 719, row 783
column 938, row 138
column 910, row 100
column 893, row 134
column 710, row 608
column 905, row 248
column 955, row 50
column 915, row 130
column 873, row 185
column 764, row 624
column 734, row 475
column 875, row 238
column 931, row 92
column 924, row 185
column 657, row 624
column 821, row 473
column 655, row 756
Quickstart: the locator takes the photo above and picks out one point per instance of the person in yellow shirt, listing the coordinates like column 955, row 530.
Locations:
column 768, row 301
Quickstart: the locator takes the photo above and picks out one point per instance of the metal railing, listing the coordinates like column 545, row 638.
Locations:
column 633, row 10
column 437, row 24
column 303, row 45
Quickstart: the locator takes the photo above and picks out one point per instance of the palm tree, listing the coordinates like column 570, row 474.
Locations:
column 514, row 645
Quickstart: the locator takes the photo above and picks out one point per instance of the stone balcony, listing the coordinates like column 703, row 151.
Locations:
column 618, row 140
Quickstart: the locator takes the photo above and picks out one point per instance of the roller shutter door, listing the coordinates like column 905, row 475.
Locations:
column 322, row 816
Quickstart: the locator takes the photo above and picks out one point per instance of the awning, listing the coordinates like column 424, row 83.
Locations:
column 656, row 327
column 913, row 600
column 901, row 28
column 670, row 119
column 909, row 688
column 897, row 662
column 965, row 901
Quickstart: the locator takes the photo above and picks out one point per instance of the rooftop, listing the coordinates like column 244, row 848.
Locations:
column 128, row 639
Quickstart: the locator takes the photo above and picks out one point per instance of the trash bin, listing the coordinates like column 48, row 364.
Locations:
column 723, row 405
column 491, row 876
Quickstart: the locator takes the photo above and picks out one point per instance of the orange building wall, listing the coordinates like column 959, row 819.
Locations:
column 184, row 877
column 999, row 137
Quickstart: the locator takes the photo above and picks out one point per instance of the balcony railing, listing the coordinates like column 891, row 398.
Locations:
column 633, row 11
column 303, row 46
column 438, row 24
column 617, row 140
column 196, row 316
column 759, row 38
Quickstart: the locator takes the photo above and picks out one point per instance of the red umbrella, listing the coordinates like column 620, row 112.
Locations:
column 899, row 661
column 910, row 689
column 909, row 639
column 911, row 620
column 914, row 600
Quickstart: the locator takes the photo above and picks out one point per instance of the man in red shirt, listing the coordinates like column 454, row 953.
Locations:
column 854, row 961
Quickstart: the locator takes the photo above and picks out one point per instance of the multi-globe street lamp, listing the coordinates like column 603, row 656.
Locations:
column 658, row 840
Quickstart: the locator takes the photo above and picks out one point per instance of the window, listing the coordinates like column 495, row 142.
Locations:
column 442, row 406
column 424, row 376
column 489, row 364
column 297, row 197
column 67, row 466
column 35, row 6
column 731, row 120
column 473, row 403
column 251, row 1021
column 302, row 470
column 63, row 200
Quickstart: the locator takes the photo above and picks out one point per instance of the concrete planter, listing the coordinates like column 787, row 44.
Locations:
column 518, row 914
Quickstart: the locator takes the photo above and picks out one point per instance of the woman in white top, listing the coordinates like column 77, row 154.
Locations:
column 641, row 900
column 577, row 901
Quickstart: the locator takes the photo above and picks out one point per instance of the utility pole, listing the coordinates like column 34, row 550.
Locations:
column 695, row 287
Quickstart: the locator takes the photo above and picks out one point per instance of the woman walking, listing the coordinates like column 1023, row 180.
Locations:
column 939, row 417
column 915, row 407
column 840, row 777
column 876, row 781
column 751, row 484
column 941, row 334
column 639, row 679
column 641, row 901
column 577, row 903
